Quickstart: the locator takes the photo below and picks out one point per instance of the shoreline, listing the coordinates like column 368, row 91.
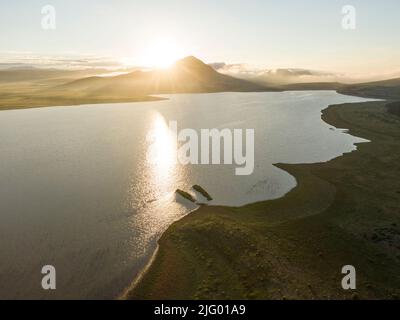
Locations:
column 150, row 259
column 153, row 256
column 36, row 102
column 76, row 102
column 140, row 275
column 137, row 279
column 154, row 284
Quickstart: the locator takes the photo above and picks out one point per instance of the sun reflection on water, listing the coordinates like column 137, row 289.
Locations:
column 153, row 198
column 161, row 155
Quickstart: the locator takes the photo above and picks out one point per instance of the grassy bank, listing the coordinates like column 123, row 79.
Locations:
column 345, row 211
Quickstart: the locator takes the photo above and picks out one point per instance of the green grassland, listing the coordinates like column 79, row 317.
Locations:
column 345, row 211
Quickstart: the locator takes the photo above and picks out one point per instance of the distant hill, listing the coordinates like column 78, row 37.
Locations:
column 23, row 74
column 314, row 86
column 189, row 75
column 386, row 89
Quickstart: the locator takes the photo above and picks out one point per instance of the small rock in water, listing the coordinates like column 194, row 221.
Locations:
column 203, row 192
column 186, row 195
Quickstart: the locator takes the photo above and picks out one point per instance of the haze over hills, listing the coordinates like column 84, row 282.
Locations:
column 189, row 75
column 29, row 73
column 305, row 79
column 35, row 87
column 281, row 76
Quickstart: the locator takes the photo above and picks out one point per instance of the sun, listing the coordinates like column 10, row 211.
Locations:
column 162, row 53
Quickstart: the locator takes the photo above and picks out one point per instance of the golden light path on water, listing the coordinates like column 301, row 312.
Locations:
column 161, row 155
column 159, row 176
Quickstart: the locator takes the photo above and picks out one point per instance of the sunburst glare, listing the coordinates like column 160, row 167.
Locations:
column 162, row 53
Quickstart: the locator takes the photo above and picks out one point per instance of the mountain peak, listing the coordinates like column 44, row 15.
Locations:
column 190, row 61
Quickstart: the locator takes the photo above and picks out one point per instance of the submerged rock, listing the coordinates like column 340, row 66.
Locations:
column 202, row 191
column 186, row 195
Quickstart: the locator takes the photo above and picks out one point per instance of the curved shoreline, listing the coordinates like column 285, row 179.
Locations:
column 152, row 257
column 156, row 285
column 140, row 275
column 127, row 292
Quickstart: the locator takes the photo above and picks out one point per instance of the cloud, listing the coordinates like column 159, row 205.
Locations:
column 275, row 76
column 237, row 68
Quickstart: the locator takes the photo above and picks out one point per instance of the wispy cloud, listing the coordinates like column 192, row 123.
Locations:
column 295, row 75
column 281, row 75
column 69, row 61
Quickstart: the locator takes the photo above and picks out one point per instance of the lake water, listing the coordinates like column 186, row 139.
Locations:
column 77, row 190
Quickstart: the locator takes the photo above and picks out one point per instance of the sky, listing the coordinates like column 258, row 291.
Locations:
column 263, row 33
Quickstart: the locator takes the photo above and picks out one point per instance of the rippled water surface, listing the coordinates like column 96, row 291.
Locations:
column 77, row 189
